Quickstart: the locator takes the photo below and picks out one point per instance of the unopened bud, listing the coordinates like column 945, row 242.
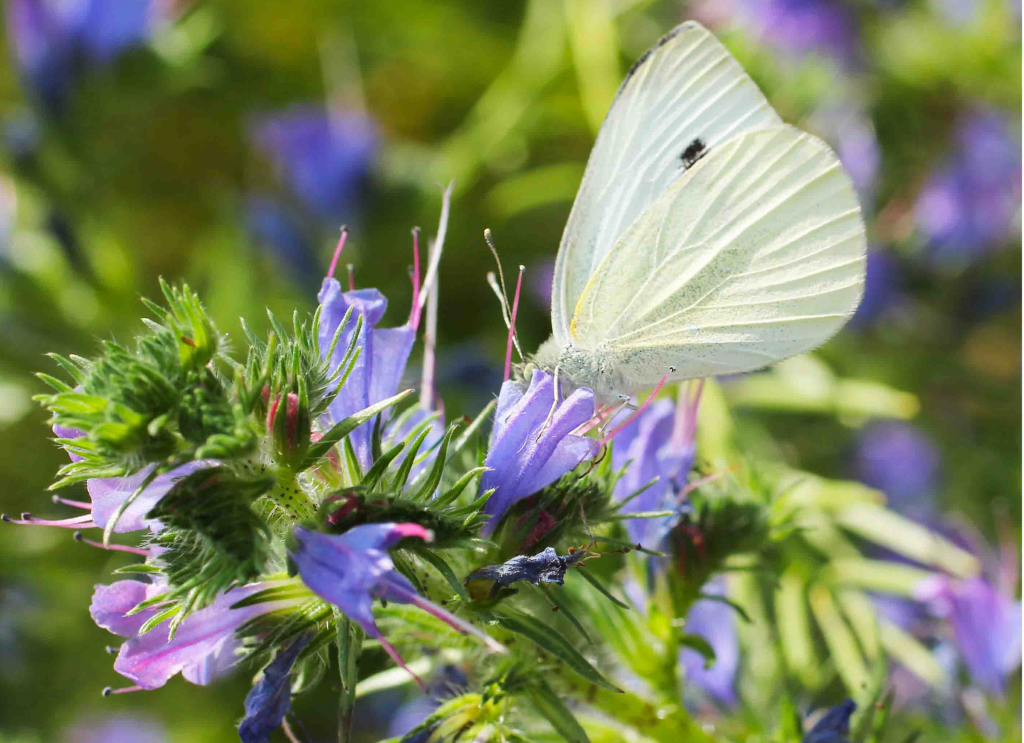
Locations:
column 288, row 423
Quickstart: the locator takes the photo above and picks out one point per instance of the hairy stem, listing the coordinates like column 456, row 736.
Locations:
column 350, row 644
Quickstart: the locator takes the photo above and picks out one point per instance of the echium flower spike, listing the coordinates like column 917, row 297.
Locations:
column 384, row 352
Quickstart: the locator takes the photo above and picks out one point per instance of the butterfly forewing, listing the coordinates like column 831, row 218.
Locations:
column 755, row 254
column 681, row 100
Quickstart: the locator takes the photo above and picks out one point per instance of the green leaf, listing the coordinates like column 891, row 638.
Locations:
column 702, row 646
column 728, row 602
column 548, row 704
column 340, row 430
column 561, row 603
column 601, row 589
column 453, row 493
column 472, row 429
column 550, row 640
column 433, row 479
column 438, row 563
column 380, row 466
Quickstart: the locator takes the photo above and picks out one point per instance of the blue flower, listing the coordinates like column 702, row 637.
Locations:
column 272, row 225
column 657, row 443
column 381, row 363
column 714, row 621
column 834, row 726
column 107, row 494
column 882, row 288
column 800, row 27
column 350, row 570
column 203, row 648
column 270, row 699
column 526, row 455
column 970, row 202
column 900, row 461
column 324, row 155
column 986, row 623
column 50, row 39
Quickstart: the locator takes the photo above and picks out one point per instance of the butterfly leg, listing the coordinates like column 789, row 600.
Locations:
column 551, row 412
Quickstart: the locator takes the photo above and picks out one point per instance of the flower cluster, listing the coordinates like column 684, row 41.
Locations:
column 298, row 512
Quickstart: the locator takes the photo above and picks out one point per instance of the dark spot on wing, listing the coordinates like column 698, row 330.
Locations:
column 693, row 152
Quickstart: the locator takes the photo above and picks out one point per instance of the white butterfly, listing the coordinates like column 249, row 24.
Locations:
column 708, row 237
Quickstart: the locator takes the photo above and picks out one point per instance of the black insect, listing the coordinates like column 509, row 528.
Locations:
column 693, row 152
column 544, row 567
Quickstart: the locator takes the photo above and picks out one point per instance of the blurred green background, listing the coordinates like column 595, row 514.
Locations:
column 224, row 143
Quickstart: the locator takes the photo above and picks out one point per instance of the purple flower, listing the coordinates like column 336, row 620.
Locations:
column 116, row 729
column 203, row 648
column 882, row 288
column 270, row 699
column 801, row 27
column 324, row 155
column 448, row 682
column 350, row 570
column 379, row 368
column 272, row 225
column 901, row 462
column 657, row 443
column 714, row 621
column 49, row 39
column 852, row 134
column 986, row 623
column 524, row 454
column 971, row 202
column 107, row 494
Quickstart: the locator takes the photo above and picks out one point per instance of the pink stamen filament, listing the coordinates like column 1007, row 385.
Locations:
column 337, row 253
column 450, row 619
column 127, row 689
column 390, row 650
column 512, row 325
column 415, row 311
column 351, row 276
column 28, row 519
column 690, row 487
column 73, row 503
column 79, row 537
column 636, row 412
column 600, row 415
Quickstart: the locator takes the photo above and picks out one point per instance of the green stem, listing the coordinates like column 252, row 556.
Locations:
column 289, row 495
column 350, row 644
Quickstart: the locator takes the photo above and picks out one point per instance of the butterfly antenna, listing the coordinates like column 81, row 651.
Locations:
column 502, row 294
column 512, row 325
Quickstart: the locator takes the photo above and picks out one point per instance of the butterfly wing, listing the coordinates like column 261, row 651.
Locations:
column 685, row 92
column 756, row 253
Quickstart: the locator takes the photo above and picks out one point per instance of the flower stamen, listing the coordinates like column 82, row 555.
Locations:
column 608, row 437
column 512, row 326
column 337, row 252
column 80, row 537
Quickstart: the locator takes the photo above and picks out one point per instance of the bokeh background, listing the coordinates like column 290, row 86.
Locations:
column 224, row 143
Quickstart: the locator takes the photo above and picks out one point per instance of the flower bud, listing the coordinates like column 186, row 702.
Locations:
column 288, row 422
